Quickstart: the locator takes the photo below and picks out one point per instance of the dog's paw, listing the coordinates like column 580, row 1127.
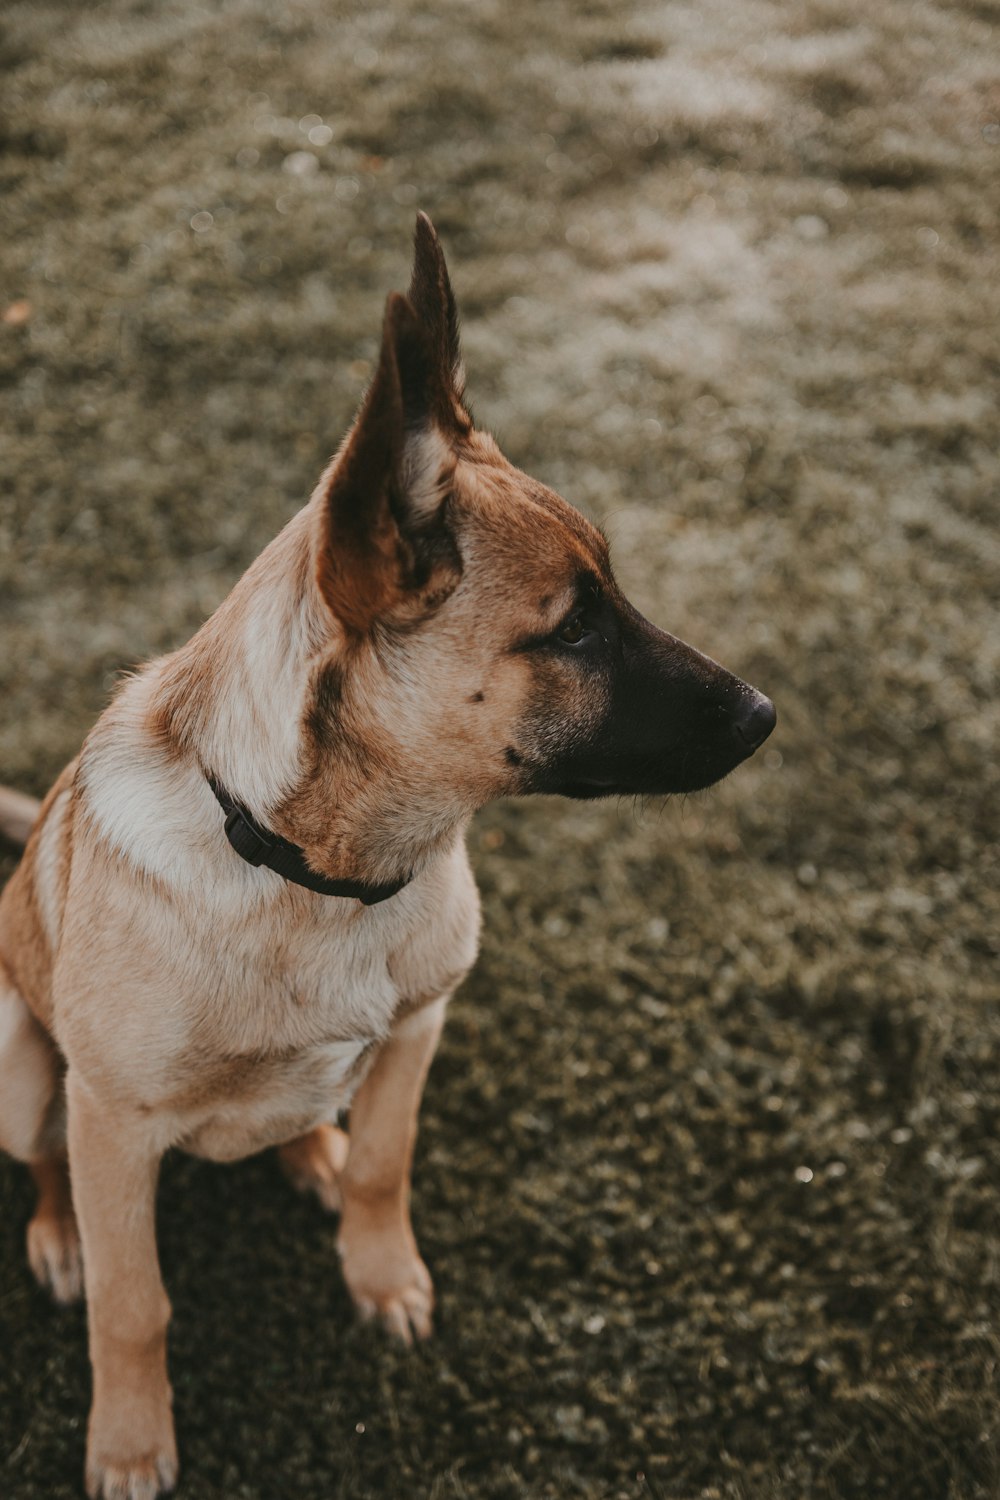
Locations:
column 406, row 1313
column 55, row 1257
column 138, row 1479
column 388, row 1281
column 313, row 1163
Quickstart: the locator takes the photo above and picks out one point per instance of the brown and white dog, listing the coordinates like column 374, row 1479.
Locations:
column 433, row 630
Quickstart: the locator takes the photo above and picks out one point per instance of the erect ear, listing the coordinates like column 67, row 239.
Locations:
column 434, row 303
column 385, row 547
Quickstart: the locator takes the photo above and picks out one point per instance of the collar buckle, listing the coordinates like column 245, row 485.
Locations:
column 246, row 840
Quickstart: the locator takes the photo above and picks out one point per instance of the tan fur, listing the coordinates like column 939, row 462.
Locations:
column 26, row 951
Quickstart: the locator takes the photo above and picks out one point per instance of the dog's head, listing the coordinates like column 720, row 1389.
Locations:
column 480, row 645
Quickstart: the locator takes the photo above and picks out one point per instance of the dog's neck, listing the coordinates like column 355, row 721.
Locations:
column 234, row 700
column 233, row 695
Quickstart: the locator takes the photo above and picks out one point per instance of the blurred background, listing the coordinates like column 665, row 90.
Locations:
column 708, row 1169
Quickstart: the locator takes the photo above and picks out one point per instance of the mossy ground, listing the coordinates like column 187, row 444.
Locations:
column 708, row 1174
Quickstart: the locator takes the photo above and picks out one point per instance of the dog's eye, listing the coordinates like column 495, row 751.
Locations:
column 573, row 631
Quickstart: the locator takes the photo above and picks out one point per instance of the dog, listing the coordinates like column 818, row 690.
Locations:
column 244, row 906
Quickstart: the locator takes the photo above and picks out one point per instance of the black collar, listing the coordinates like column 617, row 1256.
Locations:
column 258, row 847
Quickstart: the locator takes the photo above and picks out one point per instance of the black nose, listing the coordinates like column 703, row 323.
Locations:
column 755, row 720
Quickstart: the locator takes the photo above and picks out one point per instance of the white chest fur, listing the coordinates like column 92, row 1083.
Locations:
column 245, row 1011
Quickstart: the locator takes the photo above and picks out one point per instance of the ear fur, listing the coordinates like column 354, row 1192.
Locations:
column 434, row 303
column 385, row 549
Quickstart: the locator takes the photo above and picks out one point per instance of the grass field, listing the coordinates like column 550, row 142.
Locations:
column 708, row 1176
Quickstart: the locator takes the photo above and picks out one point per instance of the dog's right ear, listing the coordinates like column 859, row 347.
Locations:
column 385, row 549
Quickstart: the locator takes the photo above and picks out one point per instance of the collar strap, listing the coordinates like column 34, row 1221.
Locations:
column 259, row 847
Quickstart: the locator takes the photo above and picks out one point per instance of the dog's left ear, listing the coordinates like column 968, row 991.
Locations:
column 433, row 301
column 386, row 549
column 386, row 552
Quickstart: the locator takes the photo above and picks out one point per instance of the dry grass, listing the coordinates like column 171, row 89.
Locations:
column 709, row 1168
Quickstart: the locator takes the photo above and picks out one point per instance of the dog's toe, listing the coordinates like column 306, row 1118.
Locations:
column 418, row 1306
column 401, row 1299
column 406, row 1317
column 55, row 1256
column 144, row 1480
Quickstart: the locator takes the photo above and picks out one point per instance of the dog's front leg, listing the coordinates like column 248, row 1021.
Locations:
column 382, row 1265
column 114, row 1164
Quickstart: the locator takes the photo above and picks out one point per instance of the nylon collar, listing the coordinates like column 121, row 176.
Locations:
column 259, row 847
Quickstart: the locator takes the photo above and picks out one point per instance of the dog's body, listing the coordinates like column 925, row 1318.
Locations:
column 432, row 631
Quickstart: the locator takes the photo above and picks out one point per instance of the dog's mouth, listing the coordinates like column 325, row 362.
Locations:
column 592, row 791
column 589, row 790
column 679, row 768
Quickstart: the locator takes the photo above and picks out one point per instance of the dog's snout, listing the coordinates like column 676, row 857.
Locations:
column 756, row 719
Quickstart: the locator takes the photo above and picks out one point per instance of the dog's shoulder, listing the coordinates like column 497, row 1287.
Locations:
column 436, row 952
